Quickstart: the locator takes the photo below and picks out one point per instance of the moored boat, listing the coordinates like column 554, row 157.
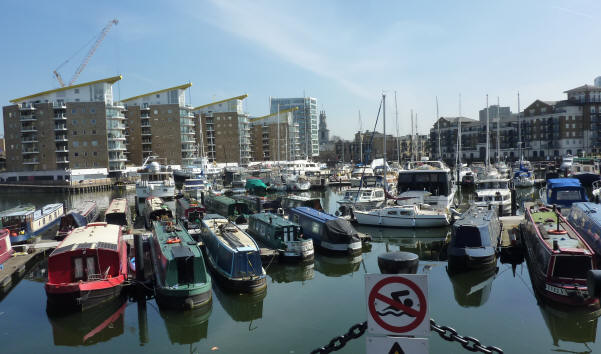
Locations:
column 412, row 215
column 474, row 239
column 563, row 192
column 295, row 201
column 227, row 207
column 586, row 219
column 80, row 216
column 189, row 212
column 232, row 255
column 363, row 198
column 88, row 268
column 328, row 232
column 259, row 204
column 155, row 181
column 118, row 213
column 281, row 234
column 181, row 279
column 25, row 223
column 587, row 170
column 155, row 209
column 6, row 249
column 558, row 258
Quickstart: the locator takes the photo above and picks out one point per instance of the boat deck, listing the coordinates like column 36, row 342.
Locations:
column 170, row 249
column 231, row 235
column 551, row 231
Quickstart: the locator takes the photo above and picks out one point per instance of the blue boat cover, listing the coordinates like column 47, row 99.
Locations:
column 555, row 183
column 315, row 213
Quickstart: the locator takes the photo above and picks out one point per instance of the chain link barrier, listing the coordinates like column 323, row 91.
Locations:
column 447, row 333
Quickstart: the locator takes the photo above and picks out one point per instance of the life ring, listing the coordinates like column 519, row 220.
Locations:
column 173, row 240
column 557, row 232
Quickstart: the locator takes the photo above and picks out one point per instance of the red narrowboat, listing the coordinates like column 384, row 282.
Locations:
column 88, row 268
column 6, row 249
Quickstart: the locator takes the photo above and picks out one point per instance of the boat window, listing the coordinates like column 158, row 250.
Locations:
column 572, row 267
column 77, row 268
column 467, row 236
column 392, row 212
column 185, row 270
column 366, row 194
column 498, row 198
column 379, row 194
column 90, row 266
column 405, row 212
column 315, row 227
column 568, row 195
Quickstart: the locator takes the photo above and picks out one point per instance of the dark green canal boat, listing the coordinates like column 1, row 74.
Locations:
column 181, row 279
column 230, row 208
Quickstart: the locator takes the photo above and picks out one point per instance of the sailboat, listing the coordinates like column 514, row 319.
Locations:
column 523, row 177
column 413, row 215
column 500, row 165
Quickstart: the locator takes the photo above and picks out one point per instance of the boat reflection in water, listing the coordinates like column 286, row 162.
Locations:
column 288, row 273
column 99, row 324
column 245, row 307
column 472, row 288
column 187, row 327
column 337, row 266
column 569, row 324
column 429, row 244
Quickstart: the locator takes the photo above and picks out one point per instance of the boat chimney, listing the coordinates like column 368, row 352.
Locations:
column 555, row 245
column 557, row 216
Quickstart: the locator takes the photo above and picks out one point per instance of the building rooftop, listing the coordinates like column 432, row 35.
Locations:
column 241, row 97
column 110, row 80
column 273, row 114
column 584, row 88
column 180, row 87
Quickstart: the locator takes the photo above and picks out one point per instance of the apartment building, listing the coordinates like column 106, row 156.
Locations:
column 225, row 135
column 73, row 127
column 159, row 123
column 272, row 132
column 306, row 116
column 2, row 155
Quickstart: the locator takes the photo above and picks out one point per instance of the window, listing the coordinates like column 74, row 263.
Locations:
column 73, row 111
column 75, row 144
column 169, row 111
column 92, row 110
column 83, row 110
column 95, row 154
column 85, row 143
column 93, row 121
column 156, row 111
column 392, row 212
column 76, row 154
column 76, row 90
column 78, row 268
column 94, row 143
column 93, row 131
column 75, row 132
column 158, row 95
column 74, row 122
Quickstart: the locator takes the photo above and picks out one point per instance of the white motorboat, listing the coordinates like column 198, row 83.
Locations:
column 523, row 179
column 566, row 163
column 466, row 176
column 597, row 191
column 415, row 215
column 433, row 177
column 154, row 182
column 297, row 183
column 502, row 168
column 494, row 192
column 363, row 198
column 358, row 173
column 193, row 188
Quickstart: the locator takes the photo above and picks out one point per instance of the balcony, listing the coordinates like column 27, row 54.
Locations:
column 29, row 129
column 145, row 125
column 60, row 116
column 31, row 161
column 61, row 161
column 117, row 159
column 145, row 150
column 29, row 141
column 61, row 138
column 146, row 133
column 145, row 116
column 62, row 150
column 30, row 151
column 26, row 107
column 147, row 141
column 145, row 108
column 61, row 127
column 59, row 105
column 116, row 147
column 28, row 118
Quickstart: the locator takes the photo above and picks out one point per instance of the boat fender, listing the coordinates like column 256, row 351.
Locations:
column 189, row 304
column 594, row 283
column 173, row 240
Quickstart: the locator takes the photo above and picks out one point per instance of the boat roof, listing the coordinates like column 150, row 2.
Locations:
column 492, row 192
column 563, row 183
column 314, row 213
column 18, row 210
column 186, row 247
column 477, row 217
column 155, row 202
column 300, row 197
column 223, row 199
column 273, row 219
column 234, row 237
column 118, row 205
column 92, row 236
column 546, row 222
column 83, row 207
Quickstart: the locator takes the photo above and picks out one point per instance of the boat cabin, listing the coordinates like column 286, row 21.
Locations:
column 564, row 192
column 226, row 206
column 189, row 209
column 586, row 219
column 474, row 238
column 295, row 201
column 78, row 217
column 259, row 204
column 156, row 209
column 425, row 178
column 118, row 213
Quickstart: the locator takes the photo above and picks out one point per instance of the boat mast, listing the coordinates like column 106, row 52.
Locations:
column 487, row 134
column 360, row 139
column 398, row 144
column 519, row 131
column 417, row 151
column 278, row 144
column 458, row 167
column 411, row 141
column 438, row 119
column 498, row 131
column 384, row 119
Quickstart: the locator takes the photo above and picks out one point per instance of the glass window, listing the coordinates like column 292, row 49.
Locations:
column 78, row 268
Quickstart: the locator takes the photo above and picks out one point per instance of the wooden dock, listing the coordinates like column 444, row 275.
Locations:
column 510, row 244
column 14, row 269
column 73, row 187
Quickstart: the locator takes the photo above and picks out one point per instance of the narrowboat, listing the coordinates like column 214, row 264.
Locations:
column 563, row 192
column 259, row 204
column 189, row 212
column 88, row 268
column 118, row 213
column 232, row 255
column 255, row 186
column 328, row 232
column 228, row 207
column 474, row 239
column 83, row 214
column 295, row 201
column 6, row 249
column 155, row 209
column 558, row 258
column 281, row 234
column 181, row 279
column 586, row 219
column 25, row 222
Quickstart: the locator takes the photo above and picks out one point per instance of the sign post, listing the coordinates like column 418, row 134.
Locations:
column 397, row 313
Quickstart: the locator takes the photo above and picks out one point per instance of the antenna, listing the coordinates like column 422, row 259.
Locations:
column 438, row 119
column 398, row 143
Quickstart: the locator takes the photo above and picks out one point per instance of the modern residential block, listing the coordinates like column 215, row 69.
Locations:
column 273, row 131
column 306, row 117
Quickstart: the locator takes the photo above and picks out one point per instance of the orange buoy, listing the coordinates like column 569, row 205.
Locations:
column 557, row 232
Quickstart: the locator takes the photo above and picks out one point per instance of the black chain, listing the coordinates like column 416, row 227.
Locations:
column 447, row 333
column 338, row 343
column 469, row 343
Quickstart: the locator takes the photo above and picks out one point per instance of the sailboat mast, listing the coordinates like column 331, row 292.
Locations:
column 417, row 151
column 519, row 130
column 498, row 131
column 384, row 119
column 360, row 139
column 458, row 167
column 396, row 118
column 487, row 133
column 438, row 119
column 411, row 141
column 278, row 144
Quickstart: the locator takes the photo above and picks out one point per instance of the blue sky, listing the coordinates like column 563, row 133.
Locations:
column 344, row 53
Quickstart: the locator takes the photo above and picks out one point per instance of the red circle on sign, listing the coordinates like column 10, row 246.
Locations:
column 397, row 329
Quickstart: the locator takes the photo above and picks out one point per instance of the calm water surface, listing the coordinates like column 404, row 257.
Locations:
column 303, row 308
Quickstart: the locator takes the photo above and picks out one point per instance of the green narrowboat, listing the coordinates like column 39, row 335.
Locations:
column 180, row 276
column 231, row 209
column 281, row 234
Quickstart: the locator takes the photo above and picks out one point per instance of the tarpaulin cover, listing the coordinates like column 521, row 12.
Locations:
column 340, row 230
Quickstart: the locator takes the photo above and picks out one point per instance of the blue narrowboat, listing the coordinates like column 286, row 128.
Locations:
column 80, row 216
column 281, row 234
column 563, row 192
column 329, row 233
column 232, row 255
column 586, row 219
column 474, row 239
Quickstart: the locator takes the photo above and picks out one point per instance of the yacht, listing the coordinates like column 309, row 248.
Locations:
column 297, row 183
column 502, row 168
column 363, row 198
column 155, row 181
column 587, row 170
column 358, row 173
column 403, row 216
column 466, row 176
column 195, row 187
column 494, row 191
column 566, row 163
column 193, row 171
column 432, row 179
column 523, row 178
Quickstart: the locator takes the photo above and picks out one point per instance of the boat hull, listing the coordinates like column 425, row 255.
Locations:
column 26, row 236
column 183, row 300
column 233, row 284
column 382, row 220
column 586, row 179
column 81, row 297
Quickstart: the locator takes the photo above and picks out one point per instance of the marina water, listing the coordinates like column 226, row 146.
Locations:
column 303, row 307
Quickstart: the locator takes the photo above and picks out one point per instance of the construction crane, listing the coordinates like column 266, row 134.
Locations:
column 85, row 61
